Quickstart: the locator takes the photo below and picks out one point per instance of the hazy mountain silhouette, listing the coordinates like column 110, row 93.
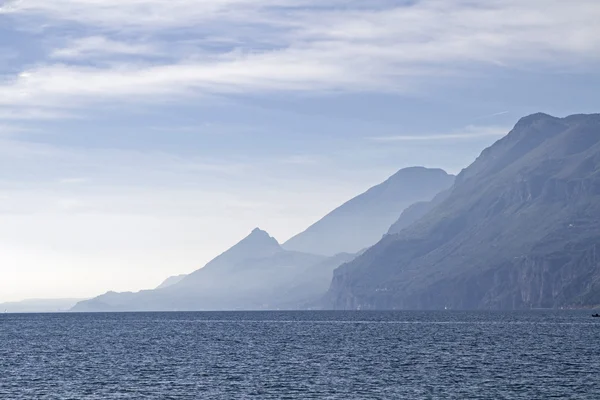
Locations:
column 170, row 281
column 256, row 273
column 256, row 246
column 519, row 229
column 417, row 211
column 39, row 306
column 362, row 221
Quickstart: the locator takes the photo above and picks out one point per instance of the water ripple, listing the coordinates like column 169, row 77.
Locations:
column 305, row 355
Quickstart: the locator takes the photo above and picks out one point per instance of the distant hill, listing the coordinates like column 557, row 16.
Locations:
column 362, row 221
column 39, row 306
column 519, row 229
column 255, row 274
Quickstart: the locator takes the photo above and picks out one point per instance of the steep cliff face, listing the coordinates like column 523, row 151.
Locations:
column 517, row 230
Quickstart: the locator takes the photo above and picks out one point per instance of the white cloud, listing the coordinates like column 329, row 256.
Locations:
column 58, row 83
column 149, row 14
column 497, row 114
column 100, row 46
column 387, row 47
column 469, row 133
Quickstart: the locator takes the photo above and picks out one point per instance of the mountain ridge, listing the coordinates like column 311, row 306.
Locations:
column 526, row 202
column 255, row 273
column 361, row 221
column 295, row 278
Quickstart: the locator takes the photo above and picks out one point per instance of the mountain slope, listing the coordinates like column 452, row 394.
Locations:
column 362, row 221
column 254, row 274
column 519, row 229
column 170, row 281
column 416, row 211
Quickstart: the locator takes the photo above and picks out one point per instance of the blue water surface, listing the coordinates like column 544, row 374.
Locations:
column 301, row 355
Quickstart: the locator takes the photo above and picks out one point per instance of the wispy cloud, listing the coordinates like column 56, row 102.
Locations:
column 469, row 133
column 157, row 14
column 383, row 47
column 212, row 128
column 46, row 165
column 12, row 113
column 302, row 160
column 6, row 130
column 491, row 115
column 100, row 46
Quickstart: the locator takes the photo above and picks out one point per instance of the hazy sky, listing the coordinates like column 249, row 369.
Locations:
column 140, row 138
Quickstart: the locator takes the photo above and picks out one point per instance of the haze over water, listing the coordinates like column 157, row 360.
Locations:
column 301, row 355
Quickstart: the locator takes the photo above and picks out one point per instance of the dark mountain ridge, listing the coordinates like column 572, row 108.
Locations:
column 519, row 229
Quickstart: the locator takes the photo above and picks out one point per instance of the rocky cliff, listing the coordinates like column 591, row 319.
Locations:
column 518, row 230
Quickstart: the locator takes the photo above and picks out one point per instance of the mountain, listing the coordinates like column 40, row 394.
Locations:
column 259, row 245
column 362, row 221
column 170, row 281
column 417, row 211
column 256, row 273
column 39, row 306
column 519, row 229
column 311, row 284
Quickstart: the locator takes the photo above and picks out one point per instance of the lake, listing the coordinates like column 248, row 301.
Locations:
column 301, row 355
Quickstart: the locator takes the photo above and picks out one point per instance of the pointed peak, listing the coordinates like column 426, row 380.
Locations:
column 259, row 240
column 259, row 234
column 258, row 244
column 258, row 231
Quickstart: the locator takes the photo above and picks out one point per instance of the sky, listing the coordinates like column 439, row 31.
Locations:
column 141, row 138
